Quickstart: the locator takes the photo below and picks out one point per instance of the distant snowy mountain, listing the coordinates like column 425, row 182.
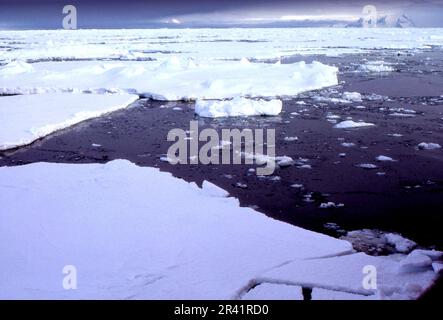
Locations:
column 387, row 21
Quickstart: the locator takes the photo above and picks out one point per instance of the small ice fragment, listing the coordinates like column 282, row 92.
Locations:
column 368, row 166
column 397, row 135
column 352, row 96
column 241, row 185
column 330, row 205
column 348, row 144
column 428, row 146
column 384, row 158
column 348, row 124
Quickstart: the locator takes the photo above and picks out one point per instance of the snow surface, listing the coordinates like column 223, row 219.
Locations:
column 136, row 233
column 172, row 78
column 237, row 107
column 27, row 118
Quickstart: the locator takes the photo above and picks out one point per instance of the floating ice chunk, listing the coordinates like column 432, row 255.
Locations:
column 281, row 161
column 348, row 144
column 167, row 159
column 403, row 110
column 376, row 66
column 241, row 185
column 398, row 114
column 396, row 135
column 330, row 205
column 400, row 243
column 284, row 161
column 368, row 166
column 384, row 158
column 238, row 107
column 349, row 124
column 352, row 96
column 332, row 116
column 428, row 146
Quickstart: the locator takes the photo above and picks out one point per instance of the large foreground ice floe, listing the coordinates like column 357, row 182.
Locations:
column 30, row 117
column 138, row 233
column 170, row 79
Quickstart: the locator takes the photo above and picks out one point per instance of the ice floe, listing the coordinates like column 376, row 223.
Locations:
column 350, row 124
column 30, row 117
column 165, row 247
column 171, row 79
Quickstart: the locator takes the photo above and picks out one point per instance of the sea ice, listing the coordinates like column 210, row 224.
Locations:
column 166, row 246
column 169, row 79
column 27, row 118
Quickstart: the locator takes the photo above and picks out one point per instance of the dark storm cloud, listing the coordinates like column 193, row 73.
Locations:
column 138, row 13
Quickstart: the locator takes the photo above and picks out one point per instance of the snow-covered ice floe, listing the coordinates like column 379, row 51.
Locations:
column 136, row 233
column 237, row 107
column 27, row 118
column 174, row 78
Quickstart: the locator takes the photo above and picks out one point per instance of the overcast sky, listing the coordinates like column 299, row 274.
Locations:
column 47, row 14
